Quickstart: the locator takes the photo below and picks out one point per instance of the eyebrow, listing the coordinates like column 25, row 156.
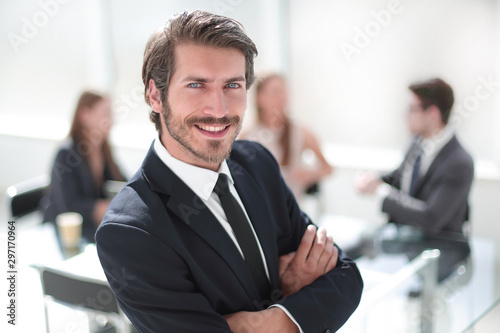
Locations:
column 205, row 80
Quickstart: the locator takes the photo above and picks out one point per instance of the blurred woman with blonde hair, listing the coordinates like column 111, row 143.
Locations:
column 287, row 141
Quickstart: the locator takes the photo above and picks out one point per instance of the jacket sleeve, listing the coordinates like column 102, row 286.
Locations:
column 153, row 302
column 393, row 178
column 329, row 301
column 450, row 190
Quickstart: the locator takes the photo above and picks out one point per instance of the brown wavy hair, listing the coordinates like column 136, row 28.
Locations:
column 198, row 27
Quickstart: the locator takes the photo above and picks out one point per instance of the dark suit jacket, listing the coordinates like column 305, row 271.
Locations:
column 173, row 267
column 73, row 189
column 440, row 202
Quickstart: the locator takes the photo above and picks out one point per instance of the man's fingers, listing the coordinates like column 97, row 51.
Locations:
column 318, row 246
column 285, row 262
column 306, row 243
column 332, row 263
column 326, row 254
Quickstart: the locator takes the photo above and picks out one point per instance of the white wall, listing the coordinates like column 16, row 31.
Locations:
column 351, row 86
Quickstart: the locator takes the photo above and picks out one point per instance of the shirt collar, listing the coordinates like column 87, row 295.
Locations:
column 200, row 180
column 435, row 143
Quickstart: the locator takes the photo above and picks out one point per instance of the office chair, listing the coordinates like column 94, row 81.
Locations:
column 25, row 197
column 93, row 296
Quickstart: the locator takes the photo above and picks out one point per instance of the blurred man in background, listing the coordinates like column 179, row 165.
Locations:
column 430, row 189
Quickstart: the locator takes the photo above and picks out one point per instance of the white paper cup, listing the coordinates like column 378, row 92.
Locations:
column 70, row 229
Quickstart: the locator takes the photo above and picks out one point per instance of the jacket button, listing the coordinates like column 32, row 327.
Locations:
column 328, row 331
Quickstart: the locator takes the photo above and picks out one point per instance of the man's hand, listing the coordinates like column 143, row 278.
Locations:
column 367, row 182
column 315, row 256
column 269, row 321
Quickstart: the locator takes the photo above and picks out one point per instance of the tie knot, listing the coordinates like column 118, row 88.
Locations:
column 222, row 185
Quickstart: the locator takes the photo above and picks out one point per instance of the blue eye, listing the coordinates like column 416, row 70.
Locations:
column 233, row 85
column 194, row 85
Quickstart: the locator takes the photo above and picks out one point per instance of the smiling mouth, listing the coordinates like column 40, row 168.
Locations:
column 212, row 129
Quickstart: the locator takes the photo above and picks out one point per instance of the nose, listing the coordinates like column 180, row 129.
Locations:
column 216, row 105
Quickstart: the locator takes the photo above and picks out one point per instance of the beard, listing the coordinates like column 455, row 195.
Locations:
column 211, row 151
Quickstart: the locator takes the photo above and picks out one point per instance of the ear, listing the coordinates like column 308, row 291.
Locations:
column 154, row 97
column 435, row 113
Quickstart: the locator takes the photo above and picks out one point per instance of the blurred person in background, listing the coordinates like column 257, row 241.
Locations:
column 430, row 189
column 288, row 142
column 83, row 164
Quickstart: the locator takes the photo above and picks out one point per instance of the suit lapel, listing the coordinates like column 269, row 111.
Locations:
column 407, row 159
column 258, row 212
column 189, row 208
column 438, row 160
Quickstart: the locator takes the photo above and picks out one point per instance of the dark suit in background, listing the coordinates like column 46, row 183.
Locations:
column 440, row 202
column 73, row 189
column 439, row 206
column 174, row 268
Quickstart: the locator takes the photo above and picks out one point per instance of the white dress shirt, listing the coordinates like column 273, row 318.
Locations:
column 430, row 148
column 202, row 182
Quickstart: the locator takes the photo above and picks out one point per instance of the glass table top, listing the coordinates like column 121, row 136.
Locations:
column 399, row 294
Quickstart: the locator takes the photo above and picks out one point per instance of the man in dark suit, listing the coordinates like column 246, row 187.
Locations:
column 430, row 189
column 206, row 237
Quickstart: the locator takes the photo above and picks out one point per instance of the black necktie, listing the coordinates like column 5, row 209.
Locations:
column 244, row 235
column 416, row 171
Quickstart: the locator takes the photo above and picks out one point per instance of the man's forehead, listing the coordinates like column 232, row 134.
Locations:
column 194, row 51
column 209, row 62
column 414, row 99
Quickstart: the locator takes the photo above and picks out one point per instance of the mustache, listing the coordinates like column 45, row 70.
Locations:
column 224, row 121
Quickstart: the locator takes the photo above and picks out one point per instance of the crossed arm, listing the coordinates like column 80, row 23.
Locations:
column 315, row 256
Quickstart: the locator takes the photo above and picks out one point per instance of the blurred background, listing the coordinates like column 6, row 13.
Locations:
column 348, row 65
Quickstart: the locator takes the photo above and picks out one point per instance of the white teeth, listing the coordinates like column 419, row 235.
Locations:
column 211, row 128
